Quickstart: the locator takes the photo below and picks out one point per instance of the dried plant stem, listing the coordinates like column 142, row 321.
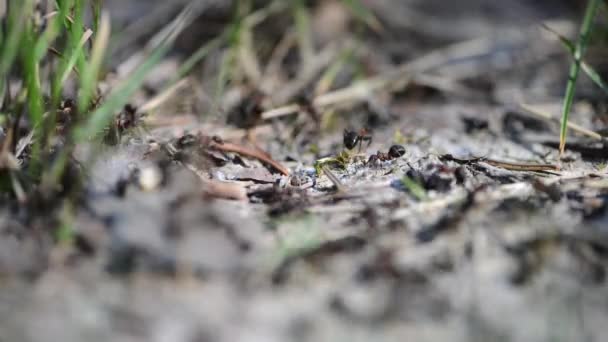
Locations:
column 546, row 116
column 161, row 98
column 355, row 92
column 245, row 151
column 395, row 79
column 218, row 189
column 332, row 177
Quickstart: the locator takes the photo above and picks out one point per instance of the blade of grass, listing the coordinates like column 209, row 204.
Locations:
column 76, row 31
column 88, row 81
column 49, row 35
column 18, row 11
column 415, row 188
column 75, row 55
column 31, row 70
column 73, row 35
column 96, row 10
column 364, row 14
column 35, row 108
column 587, row 69
column 594, row 76
column 581, row 45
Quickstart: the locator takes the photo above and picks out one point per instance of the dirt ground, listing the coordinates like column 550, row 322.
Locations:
column 478, row 232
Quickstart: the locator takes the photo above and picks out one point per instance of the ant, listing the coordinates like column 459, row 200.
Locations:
column 352, row 138
column 394, row 152
column 127, row 118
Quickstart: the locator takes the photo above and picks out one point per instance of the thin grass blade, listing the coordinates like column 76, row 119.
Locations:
column 581, row 46
column 91, row 72
column 587, row 69
column 75, row 55
column 18, row 12
column 364, row 14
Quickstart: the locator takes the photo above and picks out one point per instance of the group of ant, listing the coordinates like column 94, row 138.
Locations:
column 353, row 138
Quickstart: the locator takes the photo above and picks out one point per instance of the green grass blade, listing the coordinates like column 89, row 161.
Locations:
column 579, row 51
column 415, row 188
column 73, row 34
column 31, row 71
column 587, row 69
column 17, row 15
column 88, row 80
column 64, row 7
column 363, row 14
column 77, row 30
column 75, row 55
column 50, row 34
column 96, row 10
column 594, row 76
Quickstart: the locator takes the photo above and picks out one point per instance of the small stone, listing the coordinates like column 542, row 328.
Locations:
column 150, row 178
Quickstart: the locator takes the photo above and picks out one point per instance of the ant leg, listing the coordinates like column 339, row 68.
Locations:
column 368, row 139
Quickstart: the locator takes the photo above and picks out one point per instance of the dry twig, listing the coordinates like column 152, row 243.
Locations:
column 546, row 116
column 252, row 153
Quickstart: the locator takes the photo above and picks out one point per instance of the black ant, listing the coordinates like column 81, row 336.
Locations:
column 352, row 138
column 394, row 152
column 127, row 118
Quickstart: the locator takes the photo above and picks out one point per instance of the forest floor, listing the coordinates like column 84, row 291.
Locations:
column 250, row 223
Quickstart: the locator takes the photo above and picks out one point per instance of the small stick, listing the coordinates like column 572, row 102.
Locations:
column 503, row 164
column 333, row 179
column 355, row 92
column 159, row 99
column 263, row 157
column 520, row 166
column 544, row 115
